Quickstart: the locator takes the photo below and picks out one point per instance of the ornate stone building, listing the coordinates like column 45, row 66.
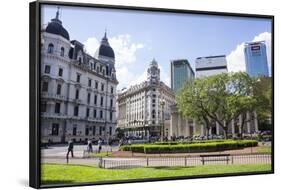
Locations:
column 78, row 91
column 143, row 108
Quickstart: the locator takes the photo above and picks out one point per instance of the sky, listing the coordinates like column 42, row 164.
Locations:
column 139, row 36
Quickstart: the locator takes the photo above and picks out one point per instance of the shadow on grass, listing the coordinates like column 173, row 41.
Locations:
column 53, row 182
column 171, row 168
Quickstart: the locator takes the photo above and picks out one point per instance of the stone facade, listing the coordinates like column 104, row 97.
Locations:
column 142, row 108
column 78, row 91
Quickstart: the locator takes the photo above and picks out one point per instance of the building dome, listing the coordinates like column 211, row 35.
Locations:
column 105, row 49
column 55, row 27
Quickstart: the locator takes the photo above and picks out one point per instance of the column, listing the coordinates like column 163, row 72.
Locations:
column 187, row 128
column 232, row 127
column 217, row 128
column 248, row 123
column 179, row 126
column 194, row 127
column 202, row 133
column 240, row 123
column 256, row 122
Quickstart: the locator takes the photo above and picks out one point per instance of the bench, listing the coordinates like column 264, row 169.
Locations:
column 215, row 158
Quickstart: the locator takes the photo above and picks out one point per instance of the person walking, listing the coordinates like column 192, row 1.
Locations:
column 90, row 146
column 100, row 145
column 70, row 150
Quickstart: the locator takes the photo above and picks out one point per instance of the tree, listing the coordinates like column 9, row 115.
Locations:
column 119, row 133
column 190, row 98
column 221, row 98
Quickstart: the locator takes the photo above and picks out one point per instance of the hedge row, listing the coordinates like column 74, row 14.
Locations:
column 190, row 148
column 191, row 142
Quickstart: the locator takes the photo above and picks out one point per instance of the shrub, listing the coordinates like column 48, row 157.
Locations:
column 190, row 148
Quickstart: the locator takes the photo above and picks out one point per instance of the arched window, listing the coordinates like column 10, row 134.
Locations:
column 62, row 51
column 50, row 48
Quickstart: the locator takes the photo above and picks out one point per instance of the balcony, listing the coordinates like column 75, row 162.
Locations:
column 53, row 96
column 53, row 115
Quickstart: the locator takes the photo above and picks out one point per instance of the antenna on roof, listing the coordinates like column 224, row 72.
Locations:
column 57, row 13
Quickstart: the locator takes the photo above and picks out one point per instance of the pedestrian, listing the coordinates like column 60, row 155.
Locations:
column 70, row 149
column 120, row 142
column 90, row 146
column 100, row 145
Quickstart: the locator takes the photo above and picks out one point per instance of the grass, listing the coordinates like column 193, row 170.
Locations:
column 264, row 149
column 67, row 174
column 102, row 154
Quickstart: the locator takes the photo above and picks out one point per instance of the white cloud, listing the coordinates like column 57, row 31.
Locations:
column 236, row 59
column 125, row 57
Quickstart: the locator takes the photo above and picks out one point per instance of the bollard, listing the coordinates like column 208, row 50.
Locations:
column 100, row 162
column 185, row 161
column 147, row 164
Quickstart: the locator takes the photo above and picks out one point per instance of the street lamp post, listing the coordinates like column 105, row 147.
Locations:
column 162, row 103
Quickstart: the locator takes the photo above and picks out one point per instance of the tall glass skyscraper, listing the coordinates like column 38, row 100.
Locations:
column 256, row 59
column 181, row 72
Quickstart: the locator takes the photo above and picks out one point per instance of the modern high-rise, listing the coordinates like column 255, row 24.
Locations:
column 211, row 65
column 256, row 59
column 181, row 72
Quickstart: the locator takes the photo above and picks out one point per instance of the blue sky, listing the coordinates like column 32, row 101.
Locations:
column 163, row 36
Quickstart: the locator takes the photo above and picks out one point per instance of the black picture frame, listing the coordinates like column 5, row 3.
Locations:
column 34, row 109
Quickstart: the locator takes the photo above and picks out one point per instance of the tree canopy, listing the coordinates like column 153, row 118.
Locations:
column 221, row 98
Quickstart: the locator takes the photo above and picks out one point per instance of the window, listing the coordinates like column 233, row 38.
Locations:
column 89, row 98
column 87, row 112
column 76, row 110
column 60, row 72
column 89, row 82
column 58, row 89
column 43, row 107
column 110, row 131
column 57, row 108
column 77, row 94
column 102, row 87
column 153, row 100
column 80, row 60
column 47, row 69
column 111, row 102
column 74, row 131
column 45, row 86
column 78, row 77
column 111, row 90
column 101, row 101
column 87, row 131
column 62, row 51
column 100, row 131
column 51, row 48
column 94, row 130
column 101, row 114
column 95, row 113
column 95, row 99
column 110, row 116
column 96, row 85
column 55, row 129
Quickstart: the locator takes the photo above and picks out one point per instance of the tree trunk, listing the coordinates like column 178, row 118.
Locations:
column 207, row 134
column 225, row 133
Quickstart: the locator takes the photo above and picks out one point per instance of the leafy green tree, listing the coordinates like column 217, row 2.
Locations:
column 221, row 98
column 190, row 98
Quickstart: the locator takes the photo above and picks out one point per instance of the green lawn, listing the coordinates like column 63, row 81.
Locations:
column 65, row 174
column 264, row 149
column 102, row 154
